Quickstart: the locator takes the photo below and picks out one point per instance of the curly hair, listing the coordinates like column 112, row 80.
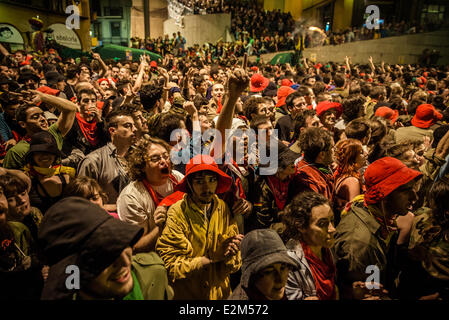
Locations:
column 353, row 108
column 297, row 214
column 137, row 156
column 346, row 152
column 314, row 140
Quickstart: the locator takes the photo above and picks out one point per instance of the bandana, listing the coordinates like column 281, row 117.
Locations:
column 157, row 198
column 279, row 189
column 323, row 272
column 89, row 130
column 35, row 171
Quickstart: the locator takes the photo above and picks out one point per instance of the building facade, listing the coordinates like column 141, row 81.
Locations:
column 111, row 21
column 17, row 33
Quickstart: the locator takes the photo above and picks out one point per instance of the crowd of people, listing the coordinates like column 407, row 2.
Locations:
column 190, row 178
column 255, row 31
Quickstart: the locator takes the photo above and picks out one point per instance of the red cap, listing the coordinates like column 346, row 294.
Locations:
column 286, row 82
column 255, row 69
column 323, row 106
column 153, row 64
column 258, row 82
column 48, row 90
column 103, row 79
column 387, row 113
column 426, row 116
column 384, row 176
column 203, row 162
column 283, row 92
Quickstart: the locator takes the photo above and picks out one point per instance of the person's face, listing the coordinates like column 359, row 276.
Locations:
column 96, row 198
column 31, row 84
column 262, row 110
column 287, row 172
column 123, row 74
column 125, row 132
column 35, row 121
column 411, row 159
column 60, row 85
column 158, row 164
column 268, row 128
column 44, row 159
column 419, row 153
column 104, row 85
column 205, row 123
column 310, row 98
column 115, row 281
column 204, row 184
column 87, row 101
column 203, row 109
column 84, row 76
column 11, row 111
column 115, row 72
column 108, row 94
column 320, row 232
column 329, row 120
column 311, row 81
column 271, row 281
column 360, row 160
column 400, row 201
column 19, row 57
column 217, row 91
column 239, row 106
column 298, row 105
column 3, row 207
column 140, row 123
column 313, row 122
column 19, row 206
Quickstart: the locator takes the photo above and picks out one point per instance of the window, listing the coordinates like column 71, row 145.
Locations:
column 433, row 13
column 113, row 12
column 115, row 29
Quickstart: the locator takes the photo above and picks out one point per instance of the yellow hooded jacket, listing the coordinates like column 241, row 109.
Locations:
column 188, row 236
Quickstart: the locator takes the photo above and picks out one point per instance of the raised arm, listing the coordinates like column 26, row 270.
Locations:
column 237, row 83
column 104, row 68
column 67, row 108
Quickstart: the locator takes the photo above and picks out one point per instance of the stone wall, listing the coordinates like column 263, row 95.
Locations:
column 402, row 49
column 199, row 29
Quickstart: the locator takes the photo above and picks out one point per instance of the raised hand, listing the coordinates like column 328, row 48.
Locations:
column 237, row 82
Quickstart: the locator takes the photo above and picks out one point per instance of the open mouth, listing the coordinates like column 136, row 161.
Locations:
column 165, row 171
column 123, row 277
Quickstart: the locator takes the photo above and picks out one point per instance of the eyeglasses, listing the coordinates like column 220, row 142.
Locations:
column 158, row 158
column 87, row 100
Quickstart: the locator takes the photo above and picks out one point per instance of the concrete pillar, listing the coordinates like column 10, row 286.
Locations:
column 294, row 7
column 343, row 14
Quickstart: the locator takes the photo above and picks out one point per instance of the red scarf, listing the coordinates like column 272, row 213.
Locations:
column 157, row 198
column 323, row 272
column 89, row 130
column 220, row 106
column 279, row 189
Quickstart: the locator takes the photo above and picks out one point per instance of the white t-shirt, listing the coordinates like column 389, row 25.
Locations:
column 135, row 205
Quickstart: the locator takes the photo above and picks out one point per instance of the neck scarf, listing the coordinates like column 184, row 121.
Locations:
column 279, row 189
column 157, row 198
column 323, row 272
column 89, row 130
column 35, row 171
